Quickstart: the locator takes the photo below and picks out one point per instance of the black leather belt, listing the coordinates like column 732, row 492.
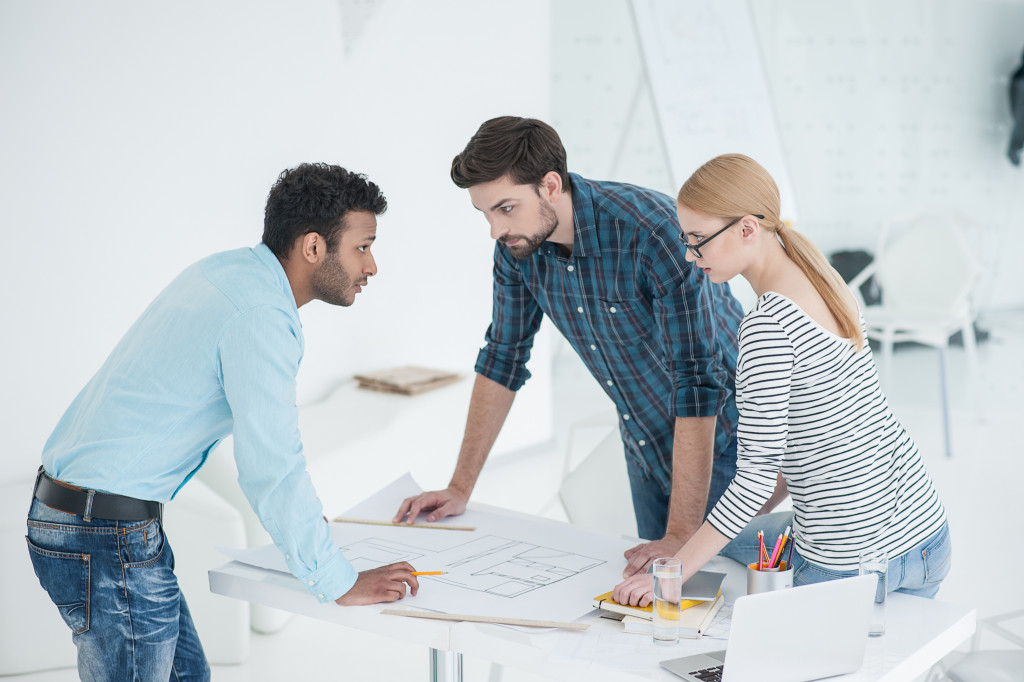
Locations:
column 92, row 503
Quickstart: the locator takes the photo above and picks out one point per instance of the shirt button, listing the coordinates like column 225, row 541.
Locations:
column 609, row 382
column 320, row 596
column 593, row 347
column 642, row 443
column 612, row 310
column 625, row 417
column 312, row 582
column 570, row 268
column 287, row 556
column 580, row 309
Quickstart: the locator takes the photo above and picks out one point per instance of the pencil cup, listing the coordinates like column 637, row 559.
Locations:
column 668, row 590
column 876, row 563
column 768, row 579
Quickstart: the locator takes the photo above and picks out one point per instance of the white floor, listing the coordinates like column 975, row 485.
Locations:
column 978, row 484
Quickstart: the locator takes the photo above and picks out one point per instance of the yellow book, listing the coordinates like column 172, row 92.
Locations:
column 605, row 601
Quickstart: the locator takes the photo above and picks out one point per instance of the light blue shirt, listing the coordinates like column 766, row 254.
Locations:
column 216, row 353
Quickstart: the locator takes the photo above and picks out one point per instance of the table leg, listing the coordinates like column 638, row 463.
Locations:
column 445, row 666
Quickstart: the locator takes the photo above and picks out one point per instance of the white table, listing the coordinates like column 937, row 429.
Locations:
column 918, row 633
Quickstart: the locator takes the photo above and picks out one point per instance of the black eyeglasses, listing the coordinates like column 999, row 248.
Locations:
column 695, row 248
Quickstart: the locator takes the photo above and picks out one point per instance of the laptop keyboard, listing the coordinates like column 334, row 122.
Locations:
column 712, row 674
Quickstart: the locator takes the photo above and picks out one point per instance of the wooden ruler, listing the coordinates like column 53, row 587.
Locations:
column 487, row 619
column 374, row 522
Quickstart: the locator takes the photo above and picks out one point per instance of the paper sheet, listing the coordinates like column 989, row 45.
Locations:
column 508, row 567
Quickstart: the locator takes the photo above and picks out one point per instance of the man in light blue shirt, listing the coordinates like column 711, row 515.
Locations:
column 216, row 353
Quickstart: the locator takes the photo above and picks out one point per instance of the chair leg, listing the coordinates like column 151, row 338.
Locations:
column 970, row 346
column 944, row 380
column 971, row 354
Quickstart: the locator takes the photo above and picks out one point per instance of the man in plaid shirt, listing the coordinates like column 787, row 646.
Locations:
column 606, row 263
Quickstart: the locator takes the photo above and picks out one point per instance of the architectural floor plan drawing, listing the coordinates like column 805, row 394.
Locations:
column 372, row 552
column 495, row 565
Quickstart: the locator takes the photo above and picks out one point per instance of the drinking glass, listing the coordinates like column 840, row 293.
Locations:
column 874, row 562
column 668, row 586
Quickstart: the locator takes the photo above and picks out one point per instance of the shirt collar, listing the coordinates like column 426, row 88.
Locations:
column 268, row 259
column 585, row 241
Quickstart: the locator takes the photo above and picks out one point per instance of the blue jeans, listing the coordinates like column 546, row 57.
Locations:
column 650, row 502
column 918, row 572
column 114, row 585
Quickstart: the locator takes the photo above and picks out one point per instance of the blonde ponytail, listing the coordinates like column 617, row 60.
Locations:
column 735, row 185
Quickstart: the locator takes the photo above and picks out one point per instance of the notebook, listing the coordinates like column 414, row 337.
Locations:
column 792, row 635
column 703, row 586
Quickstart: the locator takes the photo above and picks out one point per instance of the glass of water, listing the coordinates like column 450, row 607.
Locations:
column 873, row 562
column 668, row 586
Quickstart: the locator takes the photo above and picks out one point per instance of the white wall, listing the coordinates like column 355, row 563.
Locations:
column 140, row 137
column 882, row 107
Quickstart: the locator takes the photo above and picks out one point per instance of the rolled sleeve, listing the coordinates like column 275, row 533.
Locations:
column 259, row 359
column 684, row 308
column 515, row 320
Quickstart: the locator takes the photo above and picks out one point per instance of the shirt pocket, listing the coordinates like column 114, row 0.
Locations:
column 626, row 322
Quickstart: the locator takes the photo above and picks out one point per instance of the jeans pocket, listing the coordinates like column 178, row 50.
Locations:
column 936, row 557
column 65, row 577
column 143, row 544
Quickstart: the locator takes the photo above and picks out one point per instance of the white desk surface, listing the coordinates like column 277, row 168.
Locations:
column 918, row 632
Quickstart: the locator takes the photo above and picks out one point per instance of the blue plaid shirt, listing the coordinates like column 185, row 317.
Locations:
column 658, row 336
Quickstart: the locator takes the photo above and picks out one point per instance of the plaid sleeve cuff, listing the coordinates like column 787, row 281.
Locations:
column 511, row 374
column 698, row 401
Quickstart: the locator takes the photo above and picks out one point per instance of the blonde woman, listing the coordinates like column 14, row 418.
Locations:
column 812, row 415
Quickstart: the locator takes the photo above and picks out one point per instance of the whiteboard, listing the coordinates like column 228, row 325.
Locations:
column 709, row 87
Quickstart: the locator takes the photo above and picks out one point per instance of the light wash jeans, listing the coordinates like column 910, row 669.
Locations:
column 114, row 585
column 918, row 572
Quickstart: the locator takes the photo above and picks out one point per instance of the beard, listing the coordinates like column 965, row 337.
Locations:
column 331, row 284
column 529, row 245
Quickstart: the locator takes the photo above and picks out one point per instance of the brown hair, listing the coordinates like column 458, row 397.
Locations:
column 524, row 149
column 735, row 185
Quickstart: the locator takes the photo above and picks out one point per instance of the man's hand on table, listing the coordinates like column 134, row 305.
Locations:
column 382, row 584
column 640, row 557
column 439, row 504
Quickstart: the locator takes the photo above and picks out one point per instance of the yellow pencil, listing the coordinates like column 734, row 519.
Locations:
column 429, row 572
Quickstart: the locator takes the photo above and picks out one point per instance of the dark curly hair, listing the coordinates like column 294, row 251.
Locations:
column 524, row 149
column 315, row 197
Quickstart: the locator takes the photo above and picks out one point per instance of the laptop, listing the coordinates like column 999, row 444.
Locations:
column 792, row 635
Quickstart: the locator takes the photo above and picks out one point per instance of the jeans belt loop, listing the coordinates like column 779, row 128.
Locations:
column 87, row 517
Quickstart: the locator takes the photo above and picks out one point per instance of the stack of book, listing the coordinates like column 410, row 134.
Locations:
column 408, row 380
column 695, row 615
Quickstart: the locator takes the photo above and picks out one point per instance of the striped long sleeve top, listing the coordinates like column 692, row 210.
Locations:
column 810, row 403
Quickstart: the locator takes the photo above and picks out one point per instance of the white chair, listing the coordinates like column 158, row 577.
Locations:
column 596, row 494
column 927, row 273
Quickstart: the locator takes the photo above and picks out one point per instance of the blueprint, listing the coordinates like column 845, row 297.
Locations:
column 491, row 564
column 511, row 565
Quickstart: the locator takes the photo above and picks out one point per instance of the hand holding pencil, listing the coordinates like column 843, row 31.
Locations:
column 381, row 584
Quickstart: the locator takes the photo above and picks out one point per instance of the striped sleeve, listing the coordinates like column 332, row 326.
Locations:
column 763, row 375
